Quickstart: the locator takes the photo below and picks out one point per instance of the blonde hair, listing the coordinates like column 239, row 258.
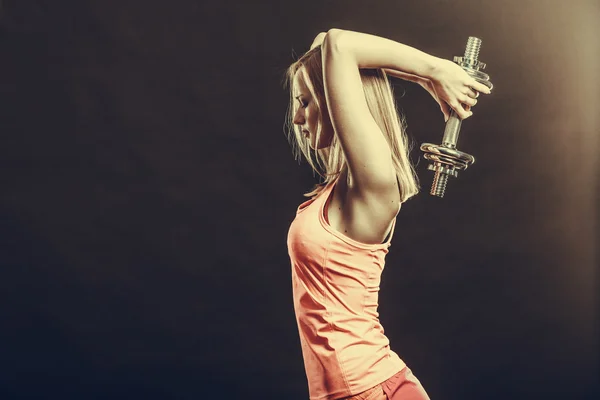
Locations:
column 382, row 105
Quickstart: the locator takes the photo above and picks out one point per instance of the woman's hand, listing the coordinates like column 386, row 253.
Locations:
column 446, row 110
column 452, row 87
column 425, row 84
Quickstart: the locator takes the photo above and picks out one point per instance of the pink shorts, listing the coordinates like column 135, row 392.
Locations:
column 402, row 386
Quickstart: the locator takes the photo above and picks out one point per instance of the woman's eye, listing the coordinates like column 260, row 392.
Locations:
column 303, row 103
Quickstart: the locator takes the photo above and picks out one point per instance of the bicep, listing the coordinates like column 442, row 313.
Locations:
column 365, row 148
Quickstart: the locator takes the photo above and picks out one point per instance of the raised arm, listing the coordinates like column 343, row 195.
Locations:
column 366, row 150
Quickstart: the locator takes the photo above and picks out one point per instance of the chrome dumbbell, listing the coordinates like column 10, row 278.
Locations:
column 446, row 159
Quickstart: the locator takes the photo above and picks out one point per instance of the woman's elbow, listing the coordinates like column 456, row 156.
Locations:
column 333, row 39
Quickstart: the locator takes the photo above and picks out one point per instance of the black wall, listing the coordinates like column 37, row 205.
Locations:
column 147, row 188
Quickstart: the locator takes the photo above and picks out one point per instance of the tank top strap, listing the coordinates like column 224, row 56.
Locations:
column 391, row 234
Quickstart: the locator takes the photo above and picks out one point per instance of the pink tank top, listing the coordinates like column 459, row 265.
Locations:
column 335, row 283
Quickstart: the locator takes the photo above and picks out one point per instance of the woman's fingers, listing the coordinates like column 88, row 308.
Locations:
column 464, row 102
column 478, row 87
column 458, row 108
column 472, row 93
column 473, row 89
column 482, row 88
column 469, row 101
column 462, row 111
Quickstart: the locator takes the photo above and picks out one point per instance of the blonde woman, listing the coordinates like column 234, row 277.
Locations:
column 346, row 125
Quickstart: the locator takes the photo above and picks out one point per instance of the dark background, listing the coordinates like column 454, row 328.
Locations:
column 147, row 190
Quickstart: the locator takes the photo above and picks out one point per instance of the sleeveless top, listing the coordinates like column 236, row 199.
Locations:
column 335, row 285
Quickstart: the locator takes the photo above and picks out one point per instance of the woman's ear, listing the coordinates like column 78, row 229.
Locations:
column 318, row 40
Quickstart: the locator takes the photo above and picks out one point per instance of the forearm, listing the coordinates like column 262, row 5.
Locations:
column 404, row 75
column 369, row 51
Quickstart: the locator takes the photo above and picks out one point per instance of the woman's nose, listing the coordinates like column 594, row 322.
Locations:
column 299, row 117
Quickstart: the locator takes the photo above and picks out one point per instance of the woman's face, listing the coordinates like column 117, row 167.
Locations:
column 307, row 113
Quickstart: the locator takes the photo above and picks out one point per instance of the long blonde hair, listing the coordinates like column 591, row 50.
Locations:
column 382, row 105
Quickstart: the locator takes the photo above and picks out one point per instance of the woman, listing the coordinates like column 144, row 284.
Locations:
column 347, row 127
